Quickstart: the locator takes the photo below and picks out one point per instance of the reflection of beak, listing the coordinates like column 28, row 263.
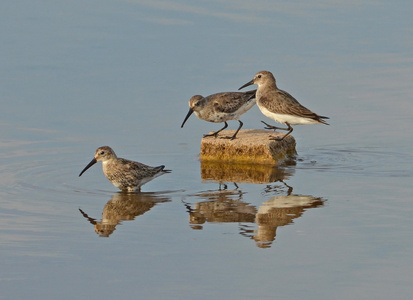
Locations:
column 88, row 166
column 187, row 116
column 247, row 84
column 91, row 220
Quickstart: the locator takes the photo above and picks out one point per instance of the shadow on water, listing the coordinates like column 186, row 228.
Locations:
column 124, row 207
column 228, row 205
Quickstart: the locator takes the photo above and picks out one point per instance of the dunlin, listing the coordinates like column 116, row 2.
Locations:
column 125, row 174
column 280, row 106
column 221, row 107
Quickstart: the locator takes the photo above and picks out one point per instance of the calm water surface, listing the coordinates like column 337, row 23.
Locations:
column 334, row 223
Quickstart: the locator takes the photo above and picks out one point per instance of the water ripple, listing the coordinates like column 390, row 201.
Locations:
column 372, row 161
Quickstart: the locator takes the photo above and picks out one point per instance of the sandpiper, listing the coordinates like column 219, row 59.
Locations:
column 125, row 174
column 280, row 106
column 221, row 107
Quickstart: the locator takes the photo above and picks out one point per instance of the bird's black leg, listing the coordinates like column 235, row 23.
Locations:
column 270, row 127
column 216, row 132
column 222, row 184
column 236, row 132
column 290, row 129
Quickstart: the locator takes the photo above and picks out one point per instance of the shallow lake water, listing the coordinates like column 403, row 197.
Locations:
column 335, row 222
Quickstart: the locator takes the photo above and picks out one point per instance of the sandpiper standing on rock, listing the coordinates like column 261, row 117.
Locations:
column 221, row 107
column 125, row 174
column 280, row 106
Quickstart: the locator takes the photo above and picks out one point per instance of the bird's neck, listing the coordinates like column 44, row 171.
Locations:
column 107, row 163
column 269, row 85
column 198, row 114
column 266, row 87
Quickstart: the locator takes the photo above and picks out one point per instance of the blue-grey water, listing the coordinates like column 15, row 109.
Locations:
column 335, row 223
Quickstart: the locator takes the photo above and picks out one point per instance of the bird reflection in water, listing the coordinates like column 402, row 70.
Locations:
column 222, row 206
column 276, row 212
column 124, row 207
column 227, row 205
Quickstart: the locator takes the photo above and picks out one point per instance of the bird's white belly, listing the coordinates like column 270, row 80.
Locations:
column 284, row 118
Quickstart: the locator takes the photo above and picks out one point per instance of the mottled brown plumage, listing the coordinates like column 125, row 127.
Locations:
column 280, row 106
column 125, row 174
column 221, row 107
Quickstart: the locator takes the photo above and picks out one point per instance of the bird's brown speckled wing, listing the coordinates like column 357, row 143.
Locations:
column 282, row 102
column 140, row 171
column 230, row 102
column 129, row 171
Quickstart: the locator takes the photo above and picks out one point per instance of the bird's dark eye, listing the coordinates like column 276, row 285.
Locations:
column 196, row 103
column 259, row 76
column 102, row 152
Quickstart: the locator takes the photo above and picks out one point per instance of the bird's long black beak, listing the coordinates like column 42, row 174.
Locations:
column 88, row 166
column 187, row 116
column 247, row 84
